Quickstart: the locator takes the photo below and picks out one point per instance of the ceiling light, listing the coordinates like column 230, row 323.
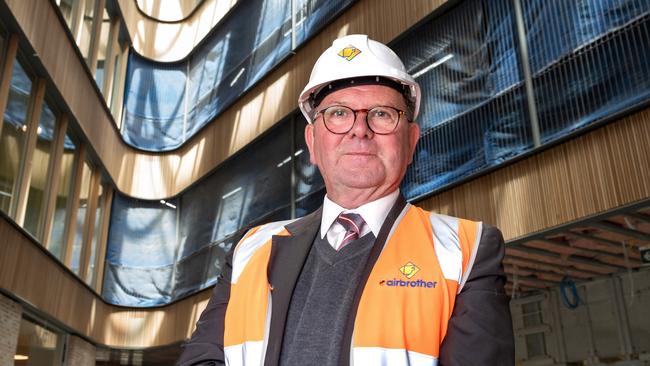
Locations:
column 168, row 204
column 231, row 193
column 237, row 76
column 433, row 65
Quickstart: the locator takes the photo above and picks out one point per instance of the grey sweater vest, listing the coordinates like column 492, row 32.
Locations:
column 322, row 301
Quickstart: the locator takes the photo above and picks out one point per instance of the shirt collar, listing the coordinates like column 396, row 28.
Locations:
column 374, row 213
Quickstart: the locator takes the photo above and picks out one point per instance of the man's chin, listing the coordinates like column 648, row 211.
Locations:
column 362, row 181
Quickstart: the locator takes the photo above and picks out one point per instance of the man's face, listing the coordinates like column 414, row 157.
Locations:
column 361, row 159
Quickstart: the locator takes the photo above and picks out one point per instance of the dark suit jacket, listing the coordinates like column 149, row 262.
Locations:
column 479, row 332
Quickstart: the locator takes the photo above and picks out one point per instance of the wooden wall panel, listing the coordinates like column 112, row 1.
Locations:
column 601, row 170
column 164, row 175
column 29, row 273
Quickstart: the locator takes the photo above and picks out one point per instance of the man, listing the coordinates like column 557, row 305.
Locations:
column 367, row 279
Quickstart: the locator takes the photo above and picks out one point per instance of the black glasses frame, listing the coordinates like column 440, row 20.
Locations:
column 400, row 113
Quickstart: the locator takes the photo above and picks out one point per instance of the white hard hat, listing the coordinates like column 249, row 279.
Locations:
column 357, row 60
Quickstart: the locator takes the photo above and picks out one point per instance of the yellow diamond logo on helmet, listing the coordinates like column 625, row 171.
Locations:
column 409, row 269
column 349, row 52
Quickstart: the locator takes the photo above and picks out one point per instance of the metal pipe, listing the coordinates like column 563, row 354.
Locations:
column 623, row 326
column 528, row 80
column 293, row 165
column 294, row 6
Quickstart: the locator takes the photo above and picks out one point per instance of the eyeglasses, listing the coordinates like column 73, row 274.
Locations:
column 381, row 120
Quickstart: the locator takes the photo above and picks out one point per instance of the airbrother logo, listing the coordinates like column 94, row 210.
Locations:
column 408, row 270
column 400, row 283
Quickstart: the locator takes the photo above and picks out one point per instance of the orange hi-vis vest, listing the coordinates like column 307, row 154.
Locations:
column 405, row 305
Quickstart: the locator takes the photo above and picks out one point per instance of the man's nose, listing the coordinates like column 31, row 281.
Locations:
column 360, row 128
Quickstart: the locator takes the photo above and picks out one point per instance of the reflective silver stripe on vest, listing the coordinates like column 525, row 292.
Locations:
column 470, row 264
column 389, row 357
column 248, row 353
column 447, row 245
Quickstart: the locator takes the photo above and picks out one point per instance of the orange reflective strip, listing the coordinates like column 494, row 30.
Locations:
column 246, row 311
column 406, row 317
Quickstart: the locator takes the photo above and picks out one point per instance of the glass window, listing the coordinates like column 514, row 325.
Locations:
column 310, row 187
column 12, row 135
column 532, row 315
column 66, row 6
column 40, row 162
column 66, row 174
column 38, row 345
column 87, row 28
column 103, row 50
column 84, row 195
column 535, row 345
column 90, row 278
column 114, row 99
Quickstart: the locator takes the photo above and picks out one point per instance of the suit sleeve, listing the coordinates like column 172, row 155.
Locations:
column 480, row 329
column 205, row 347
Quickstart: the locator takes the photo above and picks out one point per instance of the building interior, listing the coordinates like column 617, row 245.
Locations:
column 142, row 138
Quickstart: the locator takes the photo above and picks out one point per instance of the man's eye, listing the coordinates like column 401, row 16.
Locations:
column 338, row 113
column 380, row 114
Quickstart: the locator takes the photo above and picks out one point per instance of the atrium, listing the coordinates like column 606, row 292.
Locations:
column 141, row 139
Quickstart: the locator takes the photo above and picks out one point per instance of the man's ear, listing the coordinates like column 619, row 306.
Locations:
column 414, row 136
column 309, row 139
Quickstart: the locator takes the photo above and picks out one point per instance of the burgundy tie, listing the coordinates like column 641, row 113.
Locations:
column 353, row 223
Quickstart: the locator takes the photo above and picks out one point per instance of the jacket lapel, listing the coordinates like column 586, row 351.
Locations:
column 288, row 255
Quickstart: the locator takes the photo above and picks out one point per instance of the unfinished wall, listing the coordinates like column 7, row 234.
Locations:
column 609, row 325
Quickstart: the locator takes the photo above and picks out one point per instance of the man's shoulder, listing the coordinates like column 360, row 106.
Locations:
column 435, row 217
column 451, row 224
column 260, row 234
column 263, row 232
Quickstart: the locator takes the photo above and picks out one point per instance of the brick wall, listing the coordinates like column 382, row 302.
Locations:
column 79, row 352
column 10, row 314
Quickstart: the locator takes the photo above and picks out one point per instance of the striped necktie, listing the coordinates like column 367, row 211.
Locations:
column 353, row 223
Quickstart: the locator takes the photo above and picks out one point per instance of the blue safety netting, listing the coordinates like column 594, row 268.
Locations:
column 167, row 103
column 473, row 112
column 589, row 61
column 141, row 252
column 161, row 250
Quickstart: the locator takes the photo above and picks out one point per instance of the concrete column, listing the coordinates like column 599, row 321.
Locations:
column 10, row 314
column 79, row 352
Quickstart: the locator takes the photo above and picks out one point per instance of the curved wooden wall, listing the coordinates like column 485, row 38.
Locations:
column 154, row 176
column 164, row 41
column 32, row 275
column 601, row 170
column 169, row 11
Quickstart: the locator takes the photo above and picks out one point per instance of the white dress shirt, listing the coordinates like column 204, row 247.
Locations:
column 374, row 213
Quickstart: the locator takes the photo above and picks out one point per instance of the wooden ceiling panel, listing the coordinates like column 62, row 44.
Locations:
column 582, row 251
